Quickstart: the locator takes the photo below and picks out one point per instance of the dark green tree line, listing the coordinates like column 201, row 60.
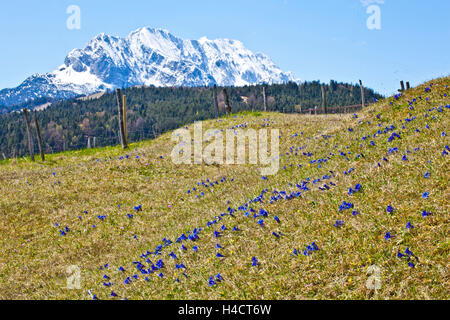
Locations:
column 66, row 125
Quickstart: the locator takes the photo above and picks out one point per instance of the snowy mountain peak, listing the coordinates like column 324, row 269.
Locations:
column 148, row 56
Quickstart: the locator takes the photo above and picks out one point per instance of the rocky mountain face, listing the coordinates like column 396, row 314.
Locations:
column 148, row 57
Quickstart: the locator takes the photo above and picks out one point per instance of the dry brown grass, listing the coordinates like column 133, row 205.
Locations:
column 34, row 257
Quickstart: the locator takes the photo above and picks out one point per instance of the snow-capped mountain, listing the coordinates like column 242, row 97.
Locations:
column 148, row 57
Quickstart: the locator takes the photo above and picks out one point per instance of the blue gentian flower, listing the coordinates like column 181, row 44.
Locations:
column 160, row 264
column 219, row 278
column 426, row 214
column 390, row 209
column 339, row 223
column 345, row 206
column 409, row 252
column 173, row 255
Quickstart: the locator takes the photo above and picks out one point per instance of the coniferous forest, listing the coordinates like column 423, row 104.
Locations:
column 67, row 125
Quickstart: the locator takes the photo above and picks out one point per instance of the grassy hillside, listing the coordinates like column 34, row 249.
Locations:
column 152, row 111
column 119, row 206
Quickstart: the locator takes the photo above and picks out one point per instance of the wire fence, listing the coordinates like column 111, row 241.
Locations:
column 111, row 138
column 87, row 141
column 335, row 110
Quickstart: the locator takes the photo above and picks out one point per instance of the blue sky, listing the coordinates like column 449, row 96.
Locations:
column 316, row 40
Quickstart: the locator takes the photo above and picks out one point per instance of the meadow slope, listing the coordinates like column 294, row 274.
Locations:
column 140, row 227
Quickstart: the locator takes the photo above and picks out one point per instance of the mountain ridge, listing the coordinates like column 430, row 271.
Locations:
column 148, row 56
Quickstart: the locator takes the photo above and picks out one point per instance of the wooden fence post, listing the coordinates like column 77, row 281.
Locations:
column 324, row 100
column 227, row 101
column 216, row 102
column 30, row 137
column 50, row 147
column 402, row 85
column 265, row 97
column 125, row 127
column 95, row 142
column 89, row 143
column 408, row 86
column 120, row 137
column 121, row 125
column 363, row 98
column 38, row 130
